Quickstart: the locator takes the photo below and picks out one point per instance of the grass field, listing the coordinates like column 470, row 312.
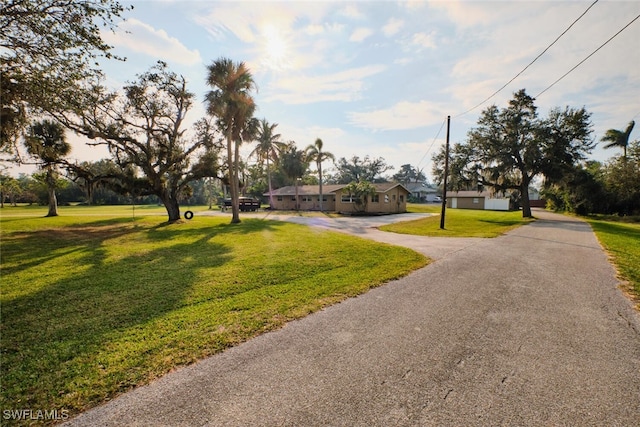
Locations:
column 622, row 242
column 458, row 222
column 101, row 299
column 95, row 302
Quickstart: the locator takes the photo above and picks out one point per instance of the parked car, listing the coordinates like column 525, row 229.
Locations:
column 437, row 199
column 245, row 204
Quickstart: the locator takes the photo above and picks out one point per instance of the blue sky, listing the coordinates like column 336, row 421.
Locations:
column 378, row 78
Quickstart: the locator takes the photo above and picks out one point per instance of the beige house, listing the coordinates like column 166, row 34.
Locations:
column 389, row 198
column 477, row 200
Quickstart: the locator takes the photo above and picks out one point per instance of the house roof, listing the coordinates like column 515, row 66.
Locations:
column 304, row 190
column 415, row 187
column 312, row 190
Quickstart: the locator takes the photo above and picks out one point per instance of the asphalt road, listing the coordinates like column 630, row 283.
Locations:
column 528, row 329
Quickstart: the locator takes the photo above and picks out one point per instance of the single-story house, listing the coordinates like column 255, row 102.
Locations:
column 422, row 192
column 482, row 200
column 389, row 198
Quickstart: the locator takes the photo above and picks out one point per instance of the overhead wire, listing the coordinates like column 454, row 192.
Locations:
column 432, row 142
column 589, row 56
column 530, row 63
column 512, row 79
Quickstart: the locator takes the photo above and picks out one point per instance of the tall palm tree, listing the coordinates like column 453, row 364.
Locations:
column 269, row 147
column 618, row 138
column 294, row 165
column 46, row 141
column 315, row 154
column 231, row 103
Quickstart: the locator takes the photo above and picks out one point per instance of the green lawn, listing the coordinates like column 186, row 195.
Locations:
column 95, row 305
column 101, row 299
column 458, row 222
column 622, row 242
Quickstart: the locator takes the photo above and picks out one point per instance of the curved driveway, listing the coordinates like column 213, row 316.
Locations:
column 525, row 329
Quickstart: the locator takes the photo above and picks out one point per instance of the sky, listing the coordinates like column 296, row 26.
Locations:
column 379, row 78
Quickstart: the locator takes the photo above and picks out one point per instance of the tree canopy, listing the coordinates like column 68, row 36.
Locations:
column 49, row 49
column 269, row 148
column 618, row 138
column 144, row 129
column 511, row 146
column 360, row 191
column 294, row 164
column 46, row 142
column 231, row 102
column 357, row 169
column 315, row 154
column 408, row 174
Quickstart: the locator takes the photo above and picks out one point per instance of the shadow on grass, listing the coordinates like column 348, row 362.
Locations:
column 52, row 332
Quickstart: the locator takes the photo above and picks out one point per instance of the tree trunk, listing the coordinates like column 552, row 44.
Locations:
column 233, row 181
column 320, row 179
column 297, row 200
column 53, row 201
column 270, row 188
column 90, row 193
column 526, row 203
column 172, row 206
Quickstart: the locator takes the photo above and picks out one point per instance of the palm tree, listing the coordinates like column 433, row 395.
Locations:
column 46, row 141
column 294, row 165
column 231, row 103
column 269, row 147
column 617, row 138
column 315, row 154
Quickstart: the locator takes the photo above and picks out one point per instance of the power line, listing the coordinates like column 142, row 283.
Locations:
column 530, row 63
column 590, row 55
column 432, row 142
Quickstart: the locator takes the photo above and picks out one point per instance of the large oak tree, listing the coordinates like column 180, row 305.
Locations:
column 513, row 145
column 145, row 131
column 357, row 169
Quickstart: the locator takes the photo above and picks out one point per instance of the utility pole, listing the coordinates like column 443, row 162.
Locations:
column 446, row 174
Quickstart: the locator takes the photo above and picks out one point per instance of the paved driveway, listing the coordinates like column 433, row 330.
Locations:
column 366, row 227
column 527, row 329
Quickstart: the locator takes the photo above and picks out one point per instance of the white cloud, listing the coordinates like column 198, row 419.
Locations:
column 359, row 34
column 314, row 29
column 392, row 26
column 499, row 54
column 351, row 11
column 424, row 40
column 401, row 116
column 143, row 38
column 467, row 14
column 344, row 86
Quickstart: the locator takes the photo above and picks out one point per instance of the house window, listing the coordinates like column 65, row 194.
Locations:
column 394, row 197
column 307, row 199
column 375, row 198
column 347, row 198
column 386, row 198
column 475, row 200
column 279, row 198
column 293, row 198
column 401, row 198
